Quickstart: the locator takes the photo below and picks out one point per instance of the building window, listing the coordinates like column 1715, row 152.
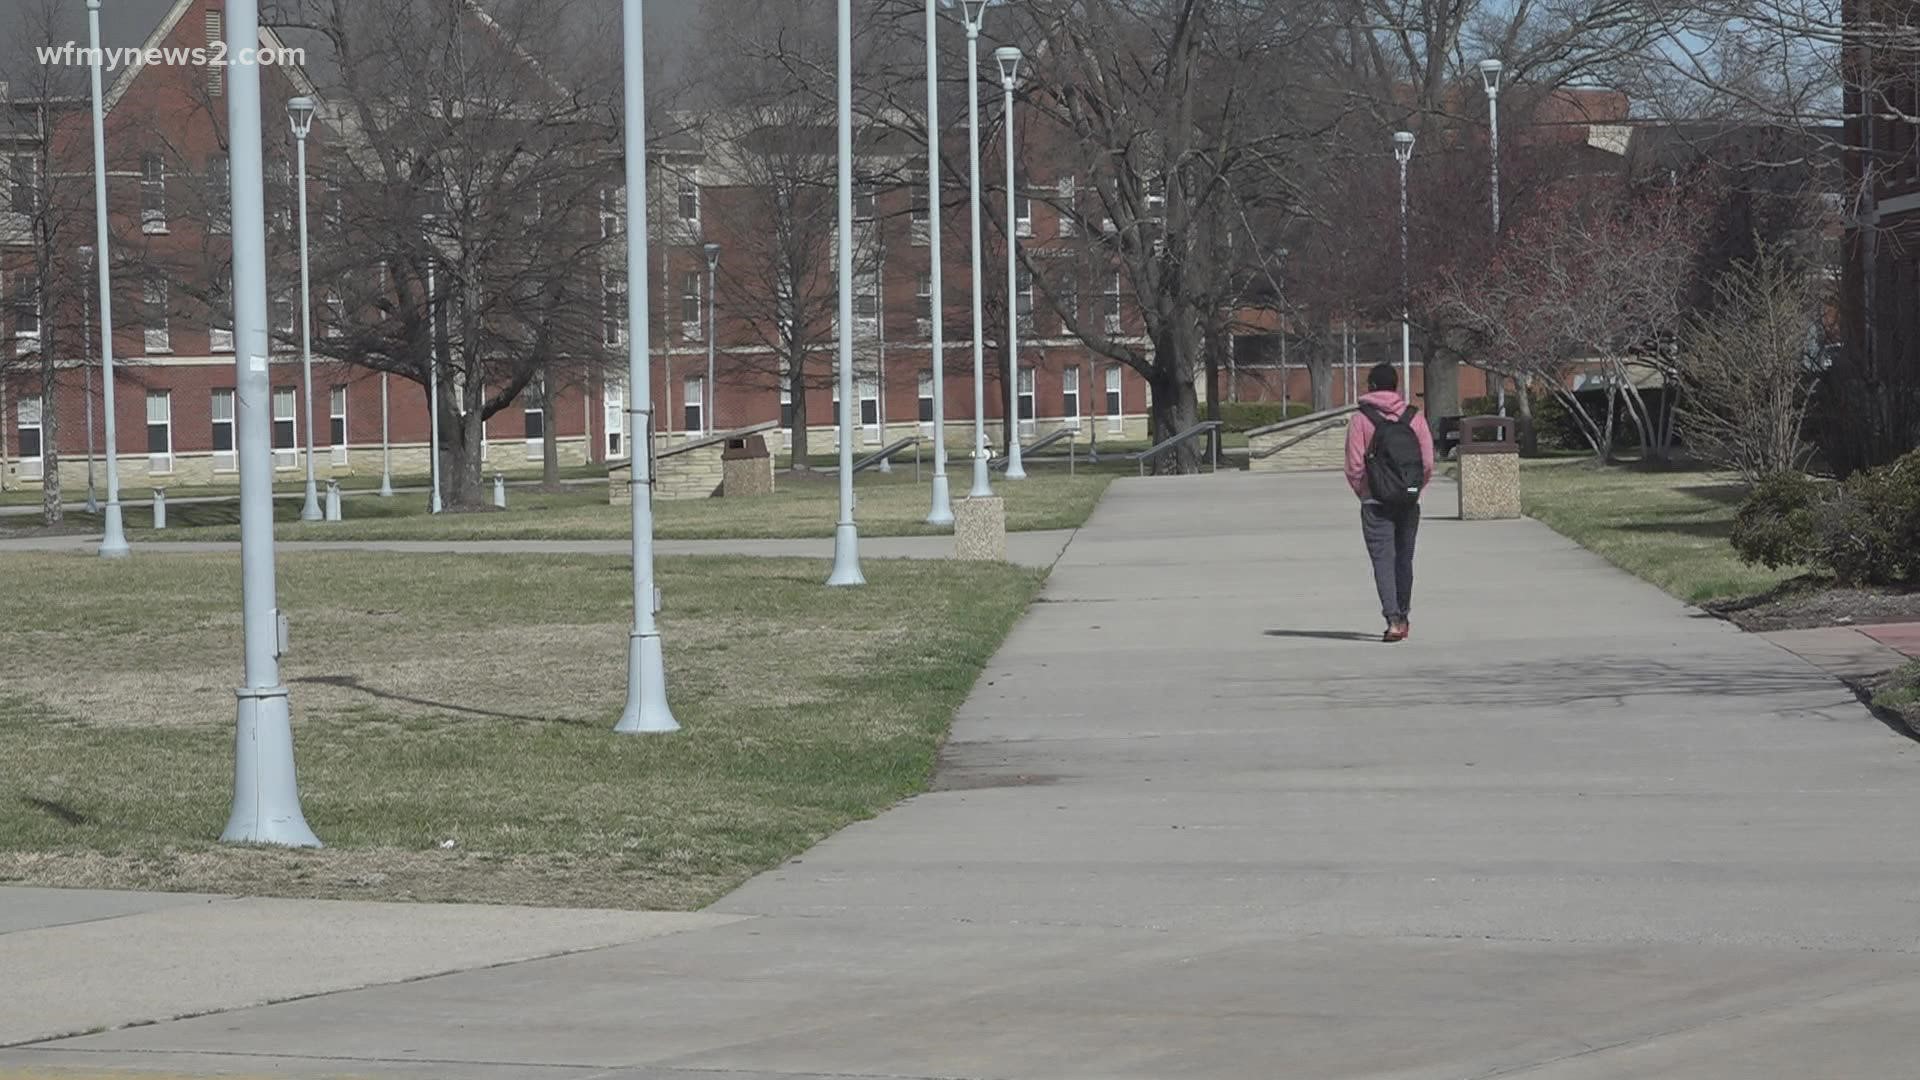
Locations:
column 869, row 392
column 1026, row 398
column 1064, row 193
column 337, row 424
column 535, row 412
column 333, row 205
column 159, row 431
column 1023, row 298
column 864, row 203
column 1111, row 304
column 1067, row 300
column 613, row 309
column 219, row 187
column 26, row 313
column 23, row 183
column 153, row 193
column 1070, row 396
column 285, row 430
column 32, row 452
column 153, row 314
column 280, row 173
column 690, row 305
column 216, row 35
column 335, row 325
column 223, row 455
column 918, row 215
column 220, row 313
column 926, row 397
column 786, row 401
column 286, row 317
column 694, row 406
column 866, row 301
column 609, row 213
column 923, row 294
column 1116, row 420
column 1022, row 214
column 689, row 202
column 616, row 394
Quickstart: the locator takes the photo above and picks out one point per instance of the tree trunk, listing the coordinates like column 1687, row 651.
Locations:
column 1173, row 410
column 1009, row 402
column 1529, row 430
column 52, row 509
column 1216, row 345
column 549, row 442
column 464, row 472
column 1442, row 389
column 797, row 434
column 1319, row 365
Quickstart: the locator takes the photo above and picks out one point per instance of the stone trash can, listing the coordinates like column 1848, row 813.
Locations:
column 980, row 530
column 1489, row 456
column 746, row 468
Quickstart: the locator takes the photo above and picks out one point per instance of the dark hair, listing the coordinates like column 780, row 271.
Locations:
column 1383, row 377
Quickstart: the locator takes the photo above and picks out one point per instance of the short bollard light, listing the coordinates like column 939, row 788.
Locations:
column 159, row 508
column 333, row 500
column 500, row 490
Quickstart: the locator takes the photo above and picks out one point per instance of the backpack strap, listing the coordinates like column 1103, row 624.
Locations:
column 1379, row 418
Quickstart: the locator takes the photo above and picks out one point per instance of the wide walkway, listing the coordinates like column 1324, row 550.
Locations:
column 1195, row 823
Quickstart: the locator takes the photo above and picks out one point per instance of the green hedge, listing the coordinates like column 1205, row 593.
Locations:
column 1242, row 416
column 1865, row 531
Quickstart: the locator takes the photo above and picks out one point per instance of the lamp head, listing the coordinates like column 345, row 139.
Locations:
column 1490, row 73
column 973, row 12
column 1008, row 57
column 713, row 255
column 1403, row 146
column 300, row 115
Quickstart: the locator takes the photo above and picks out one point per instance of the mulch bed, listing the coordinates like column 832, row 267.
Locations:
column 1809, row 603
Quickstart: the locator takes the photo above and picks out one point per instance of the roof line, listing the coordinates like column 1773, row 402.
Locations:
column 124, row 80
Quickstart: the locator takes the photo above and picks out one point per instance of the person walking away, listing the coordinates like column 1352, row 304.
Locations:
column 1389, row 464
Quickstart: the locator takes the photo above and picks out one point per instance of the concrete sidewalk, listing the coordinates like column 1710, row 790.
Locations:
column 1035, row 549
column 1194, row 822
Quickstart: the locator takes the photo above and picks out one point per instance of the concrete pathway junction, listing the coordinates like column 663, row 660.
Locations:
column 1193, row 822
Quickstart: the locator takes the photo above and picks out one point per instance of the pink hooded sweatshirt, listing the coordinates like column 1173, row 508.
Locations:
column 1360, row 436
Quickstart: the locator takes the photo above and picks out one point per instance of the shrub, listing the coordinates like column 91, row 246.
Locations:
column 1247, row 415
column 1868, row 532
column 1774, row 526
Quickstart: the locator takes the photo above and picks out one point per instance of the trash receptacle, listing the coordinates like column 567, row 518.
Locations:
column 746, row 468
column 1489, row 454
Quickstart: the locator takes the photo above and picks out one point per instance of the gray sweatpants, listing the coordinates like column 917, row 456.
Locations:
column 1390, row 533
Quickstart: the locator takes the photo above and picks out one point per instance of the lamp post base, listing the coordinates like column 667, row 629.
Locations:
column 846, row 556
column 113, row 541
column 982, row 484
column 646, row 711
column 386, row 485
column 266, row 800
column 942, row 512
column 311, row 511
column 1015, row 470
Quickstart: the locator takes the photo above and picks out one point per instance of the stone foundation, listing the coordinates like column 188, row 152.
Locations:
column 1306, row 443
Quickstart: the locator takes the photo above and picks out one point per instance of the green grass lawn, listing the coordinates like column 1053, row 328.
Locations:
column 1667, row 527
column 802, row 507
column 471, row 699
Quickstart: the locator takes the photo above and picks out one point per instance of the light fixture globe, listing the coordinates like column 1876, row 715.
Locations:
column 300, row 115
column 713, row 254
column 973, row 12
column 1403, row 145
column 1490, row 73
column 1008, row 57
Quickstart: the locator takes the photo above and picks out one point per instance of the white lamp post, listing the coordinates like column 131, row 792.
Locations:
column 300, row 116
column 941, row 512
column 713, row 387
column 386, row 453
column 86, row 366
column 1490, row 75
column 1403, row 153
column 646, row 710
column 113, row 541
column 1008, row 58
column 846, row 535
column 974, row 11
column 433, row 370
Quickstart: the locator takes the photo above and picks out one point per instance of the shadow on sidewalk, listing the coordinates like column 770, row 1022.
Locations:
column 1325, row 635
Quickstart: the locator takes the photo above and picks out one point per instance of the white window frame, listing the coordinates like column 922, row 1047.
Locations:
column 925, row 403
column 690, row 329
column 29, row 414
column 29, row 164
column 611, row 214
column 1022, row 214
column 1023, row 298
column 866, row 203
column 1111, row 304
column 786, row 407
column 693, row 396
column 223, row 460
column 535, row 404
column 1116, row 400
column 288, row 458
column 25, row 341
column 920, row 213
column 613, row 321
column 220, row 338
column 1070, row 395
column 615, row 395
column 1026, row 405
column 867, row 389
column 160, row 463
column 1064, row 193
column 923, row 300
column 220, row 194
column 867, row 291
column 216, row 28
column 336, row 307
column 155, row 297
column 153, row 194
column 689, row 188
column 337, row 448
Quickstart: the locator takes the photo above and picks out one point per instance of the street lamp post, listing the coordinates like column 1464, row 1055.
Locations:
column 941, row 512
column 86, row 367
column 113, row 540
column 266, row 797
column 974, row 11
column 846, row 535
column 433, row 376
column 300, row 116
column 386, row 452
column 1403, row 153
column 646, row 710
column 1490, row 75
column 713, row 322
column 1008, row 58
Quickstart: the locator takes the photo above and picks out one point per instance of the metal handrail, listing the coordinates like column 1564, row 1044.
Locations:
column 1165, row 445
column 1302, row 420
column 878, row 456
column 1262, row 455
column 1037, row 445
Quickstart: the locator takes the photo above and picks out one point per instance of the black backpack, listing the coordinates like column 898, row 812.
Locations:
column 1396, row 470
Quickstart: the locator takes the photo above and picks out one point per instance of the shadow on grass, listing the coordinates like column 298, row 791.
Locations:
column 1706, row 530
column 53, row 809
column 352, row 682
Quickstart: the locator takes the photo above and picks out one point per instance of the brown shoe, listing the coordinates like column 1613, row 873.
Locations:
column 1396, row 632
